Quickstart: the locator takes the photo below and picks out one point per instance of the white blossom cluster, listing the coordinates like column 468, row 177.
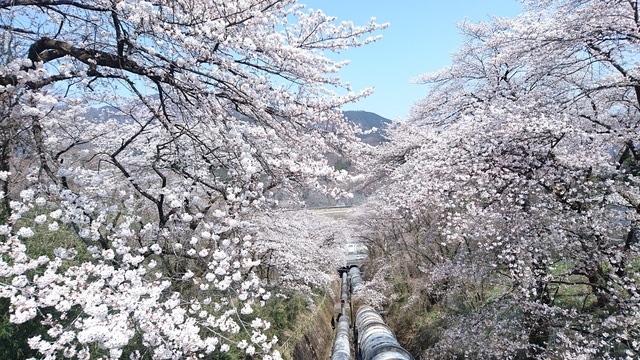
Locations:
column 140, row 142
column 513, row 186
column 304, row 249
column 123, row 294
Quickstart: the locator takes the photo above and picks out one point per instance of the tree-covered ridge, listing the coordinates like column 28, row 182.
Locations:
column 372, row 125
column 367, row 120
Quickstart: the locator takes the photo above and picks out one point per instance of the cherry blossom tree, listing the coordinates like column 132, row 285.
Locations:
column 139, row 140
column 300, row 250
column 516, row 180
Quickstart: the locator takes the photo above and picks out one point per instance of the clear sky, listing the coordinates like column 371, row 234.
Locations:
column 420, row 39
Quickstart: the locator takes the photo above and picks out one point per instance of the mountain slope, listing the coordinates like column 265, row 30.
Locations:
column 367, row 121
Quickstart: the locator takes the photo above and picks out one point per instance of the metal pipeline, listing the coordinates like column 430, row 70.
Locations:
column 356, row 279
column 341, row 346
column 344, row 296
column 375, row 340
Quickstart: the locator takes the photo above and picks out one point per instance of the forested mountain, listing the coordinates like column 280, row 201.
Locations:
column 371, row 123
column 364, row 119
column 367, row 120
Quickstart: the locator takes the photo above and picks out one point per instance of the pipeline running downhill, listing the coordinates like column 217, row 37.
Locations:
column 372, row 338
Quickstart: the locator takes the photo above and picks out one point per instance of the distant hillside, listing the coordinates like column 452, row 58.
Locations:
column 367, row 121
column 106, row 112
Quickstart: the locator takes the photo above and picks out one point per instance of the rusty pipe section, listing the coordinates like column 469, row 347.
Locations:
column 375, row 339
column 341, row 346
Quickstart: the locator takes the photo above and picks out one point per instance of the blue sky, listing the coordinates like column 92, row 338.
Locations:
column 421, row 38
